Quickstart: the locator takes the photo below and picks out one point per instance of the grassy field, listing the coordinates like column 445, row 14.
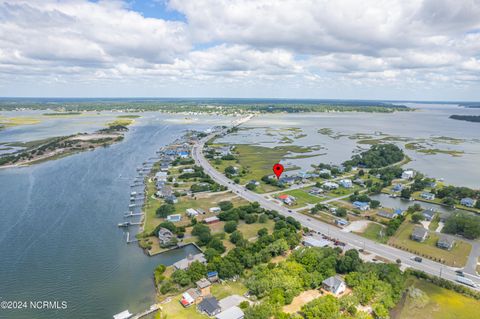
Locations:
column 436, row 303
column 251, row 230
column 15, row 121
column 122, row 122
column 302, row 197
column 258, row 161
column 373, row 232
column 456, row 257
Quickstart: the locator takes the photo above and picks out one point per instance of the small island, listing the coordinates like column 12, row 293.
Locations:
column 56, row 147
column 468, row 118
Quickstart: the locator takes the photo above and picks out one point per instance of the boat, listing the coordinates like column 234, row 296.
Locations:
column 125, row 224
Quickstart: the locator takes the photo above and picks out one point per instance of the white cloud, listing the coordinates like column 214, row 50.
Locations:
column 302, row 45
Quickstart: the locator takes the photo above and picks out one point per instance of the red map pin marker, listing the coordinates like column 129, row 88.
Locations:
column 278, row 170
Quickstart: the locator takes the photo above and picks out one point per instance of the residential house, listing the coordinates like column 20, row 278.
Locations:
column 335, row 285
column 188, row 170
column 287, row 199
column 203, row 285
column 341, row 222
column 428, row 214
column 161, row 176
column 231, row 313
column 325, row 172
column 469, row 202
column 289, row 180
column 209, row 306
column 408, row 174
column 427, row 196
column 212, row 276
column 359, row 181
column 254, row 182
column 397, row 187
column 363, row 206
column 214, row 210
column 211, row 220
column 174, row 218
column 164, row 236
column 386, row 214
column 312, row 242
column 315, row 191
column 191, row 212
column 445, row 242
column 183, row 154
column 330, row 185
column 419, row 234
column 347, row 183
column 171, row 198
column 186, row 262
column 190, row 297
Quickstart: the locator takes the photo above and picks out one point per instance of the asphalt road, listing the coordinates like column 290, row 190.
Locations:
column 353, row 240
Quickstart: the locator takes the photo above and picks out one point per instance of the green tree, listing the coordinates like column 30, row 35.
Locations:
column 326, row 307
column 225, row 205
column 230, row 226
column 417, row 217
column 341, row 212
column 165, row 210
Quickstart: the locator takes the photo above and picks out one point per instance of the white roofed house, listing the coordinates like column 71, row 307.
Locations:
column 408, row 174
column 347, row 183
column 330, row 185
column 191, row 212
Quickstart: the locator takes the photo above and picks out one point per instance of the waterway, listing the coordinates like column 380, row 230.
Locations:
column 59, row 239
column 428, row 125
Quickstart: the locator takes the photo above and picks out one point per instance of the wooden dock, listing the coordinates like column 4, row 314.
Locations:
column 152, row 309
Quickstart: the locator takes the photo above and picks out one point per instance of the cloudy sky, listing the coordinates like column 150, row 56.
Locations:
column 369, row 49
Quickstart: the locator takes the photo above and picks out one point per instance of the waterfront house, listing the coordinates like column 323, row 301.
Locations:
column 386, row 214
column 397, row 187
column 191, row 212
column 164, row 236
column 203, row 285
column 312, row 242
column 190, row 297
column 428, row 214
column 183, row 264
column 347, row 183
column 209, row 306
column 161, row 176
column 335, row 285
column 445, row 242
column 408, row 174
column 171, row 198
column 419, row 234
column 363, row 206
column 325, row 172
column 174, row 218
column 211, row 220
column 427, row 196
column 469, row 202
column 231, row 313
column 214, row 210
column 399, row 212
column 330, row 185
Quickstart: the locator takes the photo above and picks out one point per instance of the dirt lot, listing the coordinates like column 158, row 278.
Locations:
column 302, row 299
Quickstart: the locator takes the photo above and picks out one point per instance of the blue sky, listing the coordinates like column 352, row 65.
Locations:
column 394, row 49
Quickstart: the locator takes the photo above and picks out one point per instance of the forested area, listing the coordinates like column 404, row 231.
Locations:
column 377, row 156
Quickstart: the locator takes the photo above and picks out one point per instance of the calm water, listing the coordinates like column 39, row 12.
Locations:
column 429, row 121
column 59, row 238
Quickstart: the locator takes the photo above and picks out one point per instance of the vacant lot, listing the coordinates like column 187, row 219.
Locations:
column 456, row 257
column 375, row 232
column 302, row 299
column 436, row 303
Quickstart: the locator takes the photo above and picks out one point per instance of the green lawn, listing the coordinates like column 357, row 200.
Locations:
column 456, row 257
column 373, row 232
column 251, row 230
column 302, row 197
column 258, row 161
column 341, row 191
column 437, row 303
column 227, row 289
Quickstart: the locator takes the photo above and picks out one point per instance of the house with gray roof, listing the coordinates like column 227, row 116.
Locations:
column 445, row 242
column 419, row 234
column 334, row 284
column 209, row 306
column 386, row 214
column 231, row 313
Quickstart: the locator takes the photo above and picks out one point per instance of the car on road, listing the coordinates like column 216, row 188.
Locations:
column 418, row 259
column 291, row 211
column 309, row 219
column 460, row 273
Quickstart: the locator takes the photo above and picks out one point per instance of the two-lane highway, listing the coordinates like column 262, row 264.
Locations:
column 353, row 240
